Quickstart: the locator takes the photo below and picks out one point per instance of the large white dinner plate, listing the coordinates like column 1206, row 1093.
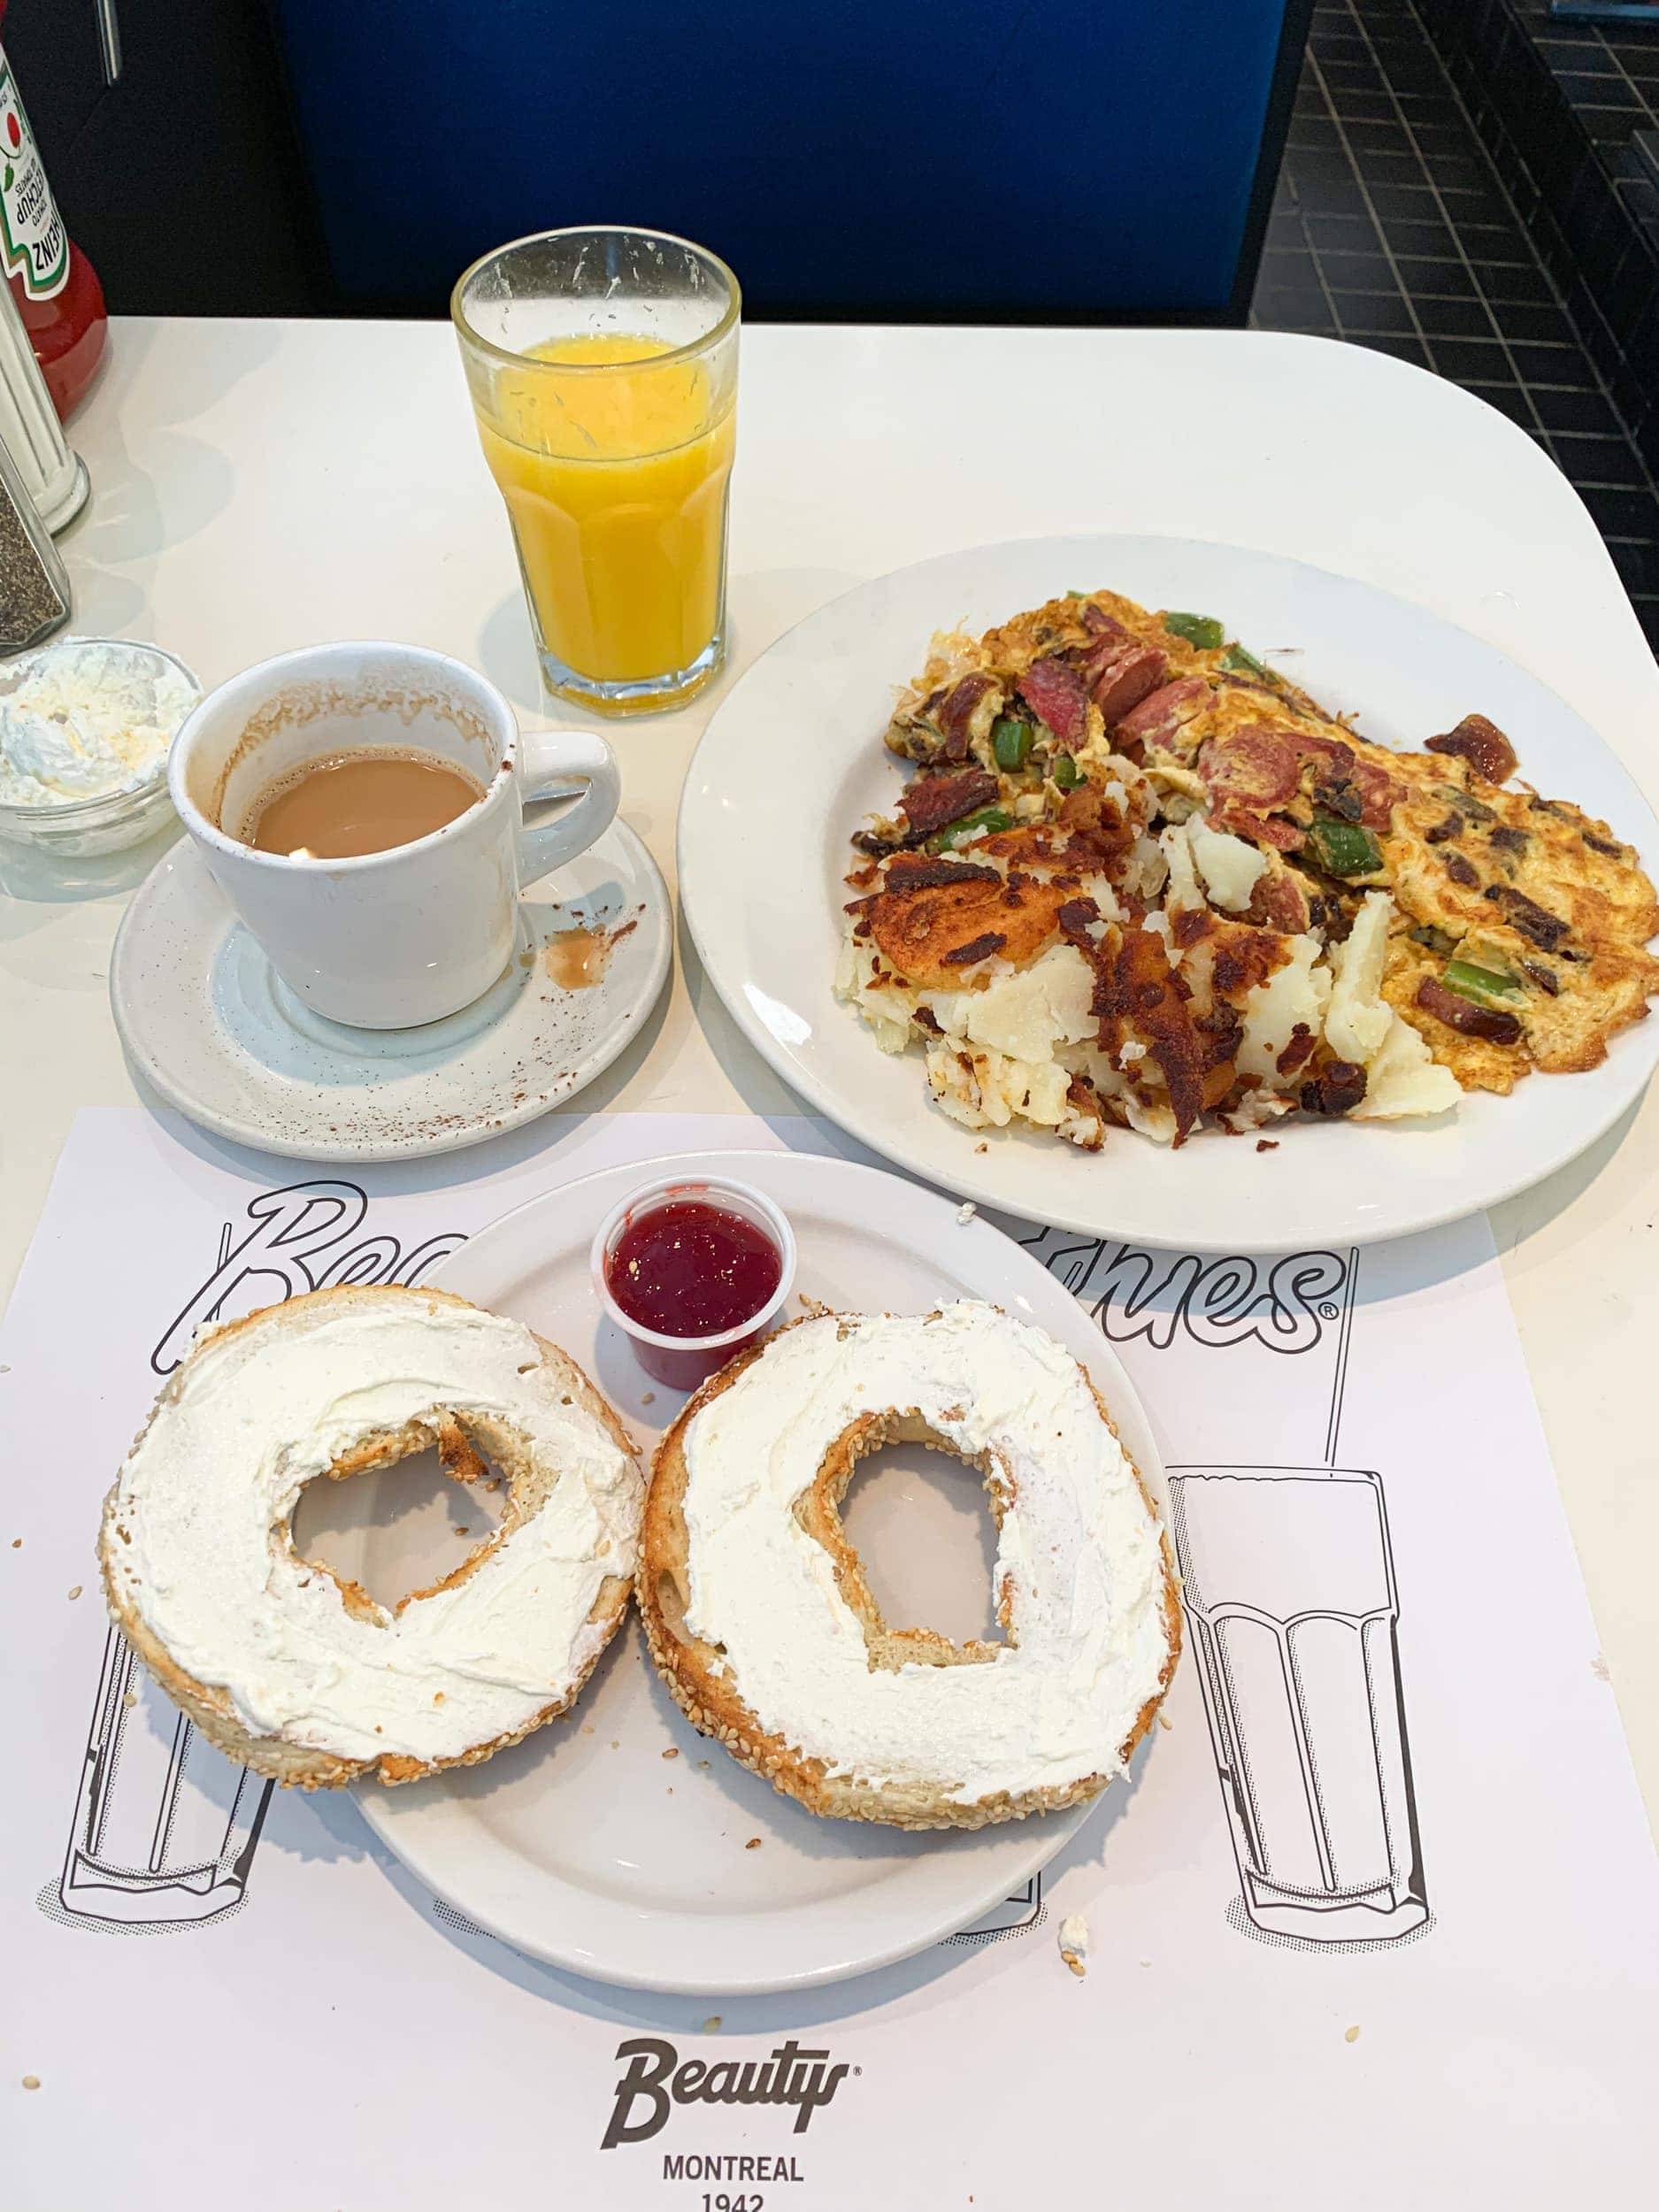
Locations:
column 587, row 1844
column 793, row 760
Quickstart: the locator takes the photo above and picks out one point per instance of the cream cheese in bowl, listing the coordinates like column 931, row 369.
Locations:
column 85, row 725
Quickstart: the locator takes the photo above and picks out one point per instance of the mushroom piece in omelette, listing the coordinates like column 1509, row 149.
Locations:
column 1141, row 880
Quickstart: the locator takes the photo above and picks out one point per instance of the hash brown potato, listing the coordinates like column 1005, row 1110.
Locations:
column 1140, row 878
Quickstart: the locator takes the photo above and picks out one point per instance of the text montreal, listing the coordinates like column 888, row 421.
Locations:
column 700, row 2166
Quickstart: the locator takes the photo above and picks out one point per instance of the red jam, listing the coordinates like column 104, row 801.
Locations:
column 691, row 1269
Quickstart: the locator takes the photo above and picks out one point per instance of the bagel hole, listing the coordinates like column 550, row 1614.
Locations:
column 400, row 1527
column 921, row 1522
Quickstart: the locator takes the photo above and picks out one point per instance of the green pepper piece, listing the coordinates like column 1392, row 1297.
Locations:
column 1080, row 595
column 1483, row 986
column 1201, row 630
column 1343, row 848
column 1237, row 657
column 1010, row 742
column 1066, row 773
column 988, row 819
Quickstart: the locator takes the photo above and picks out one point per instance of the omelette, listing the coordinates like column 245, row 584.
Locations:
column 1140, row 880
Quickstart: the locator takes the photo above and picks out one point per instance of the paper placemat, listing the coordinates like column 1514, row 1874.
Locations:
column 1376, row 1923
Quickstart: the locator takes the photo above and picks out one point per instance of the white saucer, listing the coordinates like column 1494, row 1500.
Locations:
column 214, row 1030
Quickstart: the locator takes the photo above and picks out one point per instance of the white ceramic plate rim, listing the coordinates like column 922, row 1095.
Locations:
column 481, row 1878
column 494, row 1119
column 1359, row 648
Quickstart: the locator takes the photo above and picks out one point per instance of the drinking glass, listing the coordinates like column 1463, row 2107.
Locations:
column 603, row 369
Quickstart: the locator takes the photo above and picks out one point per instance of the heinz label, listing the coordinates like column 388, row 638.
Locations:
column 33, row 240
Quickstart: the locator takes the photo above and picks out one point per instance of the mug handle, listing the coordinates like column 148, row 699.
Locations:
column 554, row 765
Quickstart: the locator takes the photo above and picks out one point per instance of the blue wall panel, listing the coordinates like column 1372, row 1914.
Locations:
column 910, row 158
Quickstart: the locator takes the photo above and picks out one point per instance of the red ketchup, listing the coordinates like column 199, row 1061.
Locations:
column 693, row 1271
column 57, row 291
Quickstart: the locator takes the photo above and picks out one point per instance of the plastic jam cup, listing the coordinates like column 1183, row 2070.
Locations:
column 683, row 1361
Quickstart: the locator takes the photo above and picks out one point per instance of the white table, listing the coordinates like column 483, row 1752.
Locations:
column 262, row 485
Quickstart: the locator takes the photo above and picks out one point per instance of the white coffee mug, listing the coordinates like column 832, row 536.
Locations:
column 387, row 939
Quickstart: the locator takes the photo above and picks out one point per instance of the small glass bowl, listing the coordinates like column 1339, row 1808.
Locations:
column 109, row 821
column 683, row 1363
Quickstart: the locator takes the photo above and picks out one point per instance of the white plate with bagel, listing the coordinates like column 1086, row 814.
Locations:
column 617, row 1842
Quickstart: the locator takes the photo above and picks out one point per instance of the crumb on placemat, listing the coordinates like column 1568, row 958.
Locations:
column 1074, row 1943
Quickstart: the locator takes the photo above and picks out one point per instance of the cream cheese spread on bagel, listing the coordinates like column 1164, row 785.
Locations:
column 199, row 1558
column 774, row 1620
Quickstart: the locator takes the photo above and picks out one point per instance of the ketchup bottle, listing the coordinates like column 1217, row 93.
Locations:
column 56, row 290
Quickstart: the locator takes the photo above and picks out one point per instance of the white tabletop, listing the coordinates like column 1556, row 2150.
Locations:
column 262, row 485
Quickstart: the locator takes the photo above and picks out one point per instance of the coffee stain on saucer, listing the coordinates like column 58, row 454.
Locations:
column 576, row 959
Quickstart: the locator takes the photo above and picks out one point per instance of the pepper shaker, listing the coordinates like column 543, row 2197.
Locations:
column 33, row 583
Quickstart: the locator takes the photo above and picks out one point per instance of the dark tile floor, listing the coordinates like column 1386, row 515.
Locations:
column 1610, row 71
column 1392, row 228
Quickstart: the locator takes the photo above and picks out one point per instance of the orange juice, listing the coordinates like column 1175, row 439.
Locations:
column 615, row 478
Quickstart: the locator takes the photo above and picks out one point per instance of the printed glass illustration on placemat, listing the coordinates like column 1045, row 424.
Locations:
column 165, row 1826
column 1290, row 1594
column 1288, row 1588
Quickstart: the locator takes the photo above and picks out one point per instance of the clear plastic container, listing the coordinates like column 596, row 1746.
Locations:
column 683, row 1363
column 108, row 822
